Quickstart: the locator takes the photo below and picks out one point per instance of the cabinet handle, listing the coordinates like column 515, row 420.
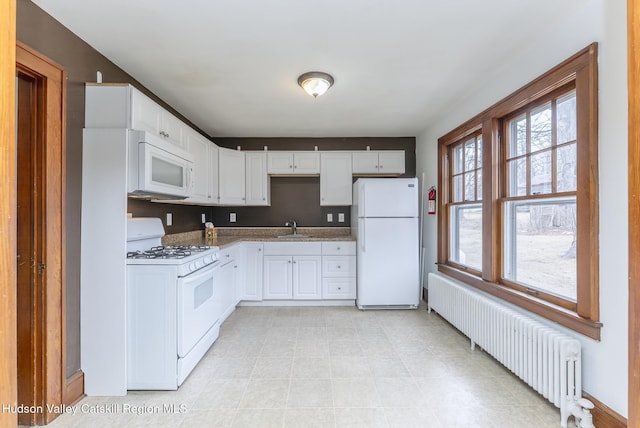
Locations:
column 289, row 261
column 338, row 248
column 290, row 166
column 259, row 249
column 339, row 288
column 228, row 255
column 338, row 266
column 264, row 199
column 380, row 166
column 295, row 166
column 243, row 199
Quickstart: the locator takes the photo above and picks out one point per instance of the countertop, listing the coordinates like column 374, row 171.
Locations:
column 227, row 236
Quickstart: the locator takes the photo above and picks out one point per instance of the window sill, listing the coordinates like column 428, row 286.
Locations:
column 554, row 313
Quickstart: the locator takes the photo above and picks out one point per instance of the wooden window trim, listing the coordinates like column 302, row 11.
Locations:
column 581, row 68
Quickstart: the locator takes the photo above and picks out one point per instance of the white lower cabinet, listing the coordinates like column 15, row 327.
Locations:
column 339, row 270
column 309, row 270
column 278, row 278
column 292, row 270
column 253, row 271
column 307, row 278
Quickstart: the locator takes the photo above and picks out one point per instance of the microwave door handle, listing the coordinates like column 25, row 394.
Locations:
column 190, row 178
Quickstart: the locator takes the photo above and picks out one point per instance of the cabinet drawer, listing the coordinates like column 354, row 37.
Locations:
column 339, row 288
column 339, row 248
column 338, row 266
column 292, row 249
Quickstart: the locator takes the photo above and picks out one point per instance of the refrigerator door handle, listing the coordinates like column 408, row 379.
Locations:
column 364, row 236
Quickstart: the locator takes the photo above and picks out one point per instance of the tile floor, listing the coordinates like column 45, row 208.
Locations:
column 333, row 367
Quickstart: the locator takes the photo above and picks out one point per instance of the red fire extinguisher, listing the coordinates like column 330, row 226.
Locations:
column 431, row 205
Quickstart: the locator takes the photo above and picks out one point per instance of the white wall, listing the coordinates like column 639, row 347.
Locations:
column 605, row 363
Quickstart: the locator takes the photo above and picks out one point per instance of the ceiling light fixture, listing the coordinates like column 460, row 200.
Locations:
column 315, row 83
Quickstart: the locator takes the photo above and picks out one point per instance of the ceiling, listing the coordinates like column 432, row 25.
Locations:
column 231, row 67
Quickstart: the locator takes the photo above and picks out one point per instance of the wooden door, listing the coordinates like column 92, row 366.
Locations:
column 40, row 160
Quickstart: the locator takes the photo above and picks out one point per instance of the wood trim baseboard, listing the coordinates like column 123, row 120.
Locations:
column 604, row 416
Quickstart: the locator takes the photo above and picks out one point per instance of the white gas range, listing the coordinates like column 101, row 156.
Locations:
column 172, row 308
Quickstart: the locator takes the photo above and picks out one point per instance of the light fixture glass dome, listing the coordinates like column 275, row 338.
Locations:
column 315, row 83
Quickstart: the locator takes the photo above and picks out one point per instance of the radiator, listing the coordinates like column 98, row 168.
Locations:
column 546, row 359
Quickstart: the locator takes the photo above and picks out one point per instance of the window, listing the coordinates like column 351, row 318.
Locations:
column 539, row 210
column 465, row 246
column 526, row 230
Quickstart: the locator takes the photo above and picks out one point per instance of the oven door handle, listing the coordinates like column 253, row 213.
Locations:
column 200, row 273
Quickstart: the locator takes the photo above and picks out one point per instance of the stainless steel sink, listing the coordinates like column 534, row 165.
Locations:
column 297, row 235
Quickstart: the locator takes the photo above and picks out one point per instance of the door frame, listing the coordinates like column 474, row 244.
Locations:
column 8, row 338
column 48, row 356
column 633, row 44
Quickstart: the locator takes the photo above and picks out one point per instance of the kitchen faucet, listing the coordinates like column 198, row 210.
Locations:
column 293, row 225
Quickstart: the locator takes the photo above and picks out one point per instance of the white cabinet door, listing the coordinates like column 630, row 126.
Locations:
column 199, row 147
column 391, row 162
column 278, row 281
column 335, row 178
column 146, row 115
column 307, row 278
column 307, row 163
column 224, row 285
column 257, row 179
column 365, row 162
column 173, row 129
column 280, row 162
column 231, row 166
column 214, row 186
column 252, row 287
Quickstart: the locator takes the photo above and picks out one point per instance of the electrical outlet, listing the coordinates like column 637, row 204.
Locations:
column 340, row 217
column 232, row 217
column 169, row 219
column 203, row 217
column 329, row 217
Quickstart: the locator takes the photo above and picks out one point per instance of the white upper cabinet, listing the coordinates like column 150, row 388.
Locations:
column 257, row 179
column 146, row 115
column 379, row 162
column 231, row 175
column 199, row 147
column 214, row 179
column 290, row 163
column 335, row 178
column 123, row 106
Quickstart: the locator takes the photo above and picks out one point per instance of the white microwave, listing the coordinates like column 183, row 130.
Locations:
column 158, row 169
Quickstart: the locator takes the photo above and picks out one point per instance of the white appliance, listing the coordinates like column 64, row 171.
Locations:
column 158, row 169
column 172, row 311
column 384, row 219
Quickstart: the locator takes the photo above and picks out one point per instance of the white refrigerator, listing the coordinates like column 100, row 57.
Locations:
column 385, row 221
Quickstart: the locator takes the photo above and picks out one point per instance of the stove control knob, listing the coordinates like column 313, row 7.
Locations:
column 192, row 266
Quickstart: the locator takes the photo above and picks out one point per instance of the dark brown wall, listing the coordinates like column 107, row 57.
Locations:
column 298, row 198
column 185, row 217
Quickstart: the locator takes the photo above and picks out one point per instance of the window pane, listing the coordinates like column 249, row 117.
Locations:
column 469, row 155
column 466, row 235
column 457, row 188
column 470, row 186
column 540, row 245
column 566, row 112
column 457, row 159
column 541, row 128
column 518, row 136
column 479, row 160
column 566, row 168
column 541, row 173
column 479, row 183
column 517, row 170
